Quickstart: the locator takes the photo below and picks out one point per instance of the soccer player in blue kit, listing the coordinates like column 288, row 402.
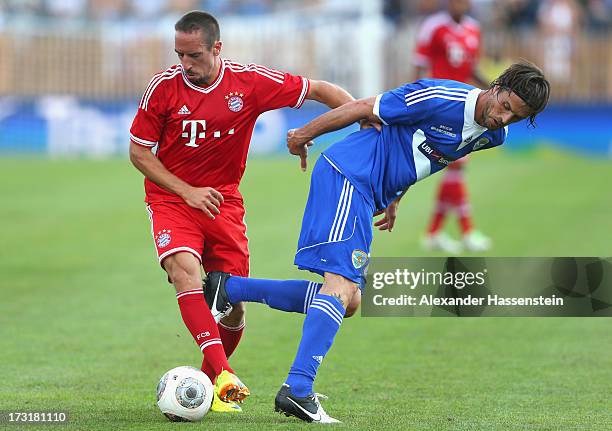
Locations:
column 426, row 125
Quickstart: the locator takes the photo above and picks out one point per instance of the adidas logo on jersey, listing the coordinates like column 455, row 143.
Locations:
column 184, row 110
column 319, row 359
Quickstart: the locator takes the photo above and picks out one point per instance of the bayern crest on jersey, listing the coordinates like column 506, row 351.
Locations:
column 163, row 238
column 234, row 101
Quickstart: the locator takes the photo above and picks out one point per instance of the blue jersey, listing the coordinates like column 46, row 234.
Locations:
column 426, row 125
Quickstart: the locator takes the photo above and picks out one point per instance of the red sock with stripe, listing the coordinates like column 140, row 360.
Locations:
column 201, row 324
column 230, row 337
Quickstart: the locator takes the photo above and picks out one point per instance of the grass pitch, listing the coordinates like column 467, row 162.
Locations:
column 88, row 323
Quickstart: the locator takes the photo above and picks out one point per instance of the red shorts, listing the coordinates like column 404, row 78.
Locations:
column 220, row 244
column 452, row 194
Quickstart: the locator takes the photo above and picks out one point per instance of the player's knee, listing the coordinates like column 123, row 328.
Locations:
column 238, row 309
column 183, row 271
column 337, row 285
column 353, row 304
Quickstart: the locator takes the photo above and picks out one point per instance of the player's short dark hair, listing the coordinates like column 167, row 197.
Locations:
column 528, row 82
column 197, row 20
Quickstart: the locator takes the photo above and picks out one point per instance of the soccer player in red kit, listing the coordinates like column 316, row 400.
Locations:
column 448, row 47
column 199, row 116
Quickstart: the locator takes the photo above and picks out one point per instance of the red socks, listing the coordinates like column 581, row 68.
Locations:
column 436, row 222
column 230, row 337
column 201, row 324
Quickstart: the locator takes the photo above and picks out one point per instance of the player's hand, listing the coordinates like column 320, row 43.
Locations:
column 206, row 199
column 388, row 221
column 298, row 146
column 368, row 124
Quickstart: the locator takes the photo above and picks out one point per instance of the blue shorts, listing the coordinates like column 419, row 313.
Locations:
column 337, row 226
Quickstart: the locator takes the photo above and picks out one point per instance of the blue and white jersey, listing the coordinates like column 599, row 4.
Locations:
column 426, row 125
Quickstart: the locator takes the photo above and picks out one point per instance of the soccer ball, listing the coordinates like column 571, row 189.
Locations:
column 184, row 394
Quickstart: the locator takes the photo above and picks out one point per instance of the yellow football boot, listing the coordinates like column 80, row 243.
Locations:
column 228, row 387
column 223, row 407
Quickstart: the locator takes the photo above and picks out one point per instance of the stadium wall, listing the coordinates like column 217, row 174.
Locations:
column 67, row 126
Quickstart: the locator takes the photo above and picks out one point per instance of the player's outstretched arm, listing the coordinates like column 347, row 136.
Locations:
column 298, row 140
column 206, row 199
column 351, row 112
column 329, row 94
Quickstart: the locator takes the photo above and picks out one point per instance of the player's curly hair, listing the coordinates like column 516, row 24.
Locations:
column 528, row 82
column 200, row 21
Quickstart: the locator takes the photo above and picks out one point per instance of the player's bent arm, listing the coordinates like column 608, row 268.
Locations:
column 329, row 94
column 205, row 198
column 146, row 162
column 351, row 112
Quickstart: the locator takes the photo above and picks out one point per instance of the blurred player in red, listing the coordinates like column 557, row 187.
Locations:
column 199, row 116
column 448, row 47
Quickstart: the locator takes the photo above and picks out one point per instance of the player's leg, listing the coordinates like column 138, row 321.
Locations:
column 473, row 240
column 184, row 272
column 285, row 295
column 353, row 304
column 323, row 320
column 223, row 291
column 436, row 238
column 231, row 328
column 439, row 214
column 227, row 250
column 179, row 242
column 334, row 241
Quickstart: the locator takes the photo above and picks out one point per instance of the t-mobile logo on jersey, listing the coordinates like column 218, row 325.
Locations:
column 192, row 133
column 194, row 129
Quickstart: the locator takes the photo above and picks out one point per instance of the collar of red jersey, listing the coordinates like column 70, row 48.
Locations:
column 212, row 86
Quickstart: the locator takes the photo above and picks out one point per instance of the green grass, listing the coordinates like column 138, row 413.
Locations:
column 88, row 323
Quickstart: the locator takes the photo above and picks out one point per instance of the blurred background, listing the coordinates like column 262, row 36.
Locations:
column 88, row 322
column 75, row 67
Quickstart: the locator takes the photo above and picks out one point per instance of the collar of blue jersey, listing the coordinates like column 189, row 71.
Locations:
column 469, row 114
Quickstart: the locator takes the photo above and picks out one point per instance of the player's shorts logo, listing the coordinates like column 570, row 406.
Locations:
column 234, row 101
column 359, row 258
column 163, row 238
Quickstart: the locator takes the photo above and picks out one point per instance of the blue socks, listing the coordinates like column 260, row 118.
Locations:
column 322, row 322
column 324, row 315
column 285, row 295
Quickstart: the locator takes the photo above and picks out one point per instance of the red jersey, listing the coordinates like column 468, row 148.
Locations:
column 202, row 134
column 450, row 50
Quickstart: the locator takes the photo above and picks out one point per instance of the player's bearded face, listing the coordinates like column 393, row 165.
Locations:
column 502, row 108
column 198, row 60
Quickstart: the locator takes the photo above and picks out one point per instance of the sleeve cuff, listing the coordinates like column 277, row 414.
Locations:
column 376, row 110
column 142, row 142
column 305, row 88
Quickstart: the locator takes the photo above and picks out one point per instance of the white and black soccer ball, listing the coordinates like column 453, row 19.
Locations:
column 184, row 394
